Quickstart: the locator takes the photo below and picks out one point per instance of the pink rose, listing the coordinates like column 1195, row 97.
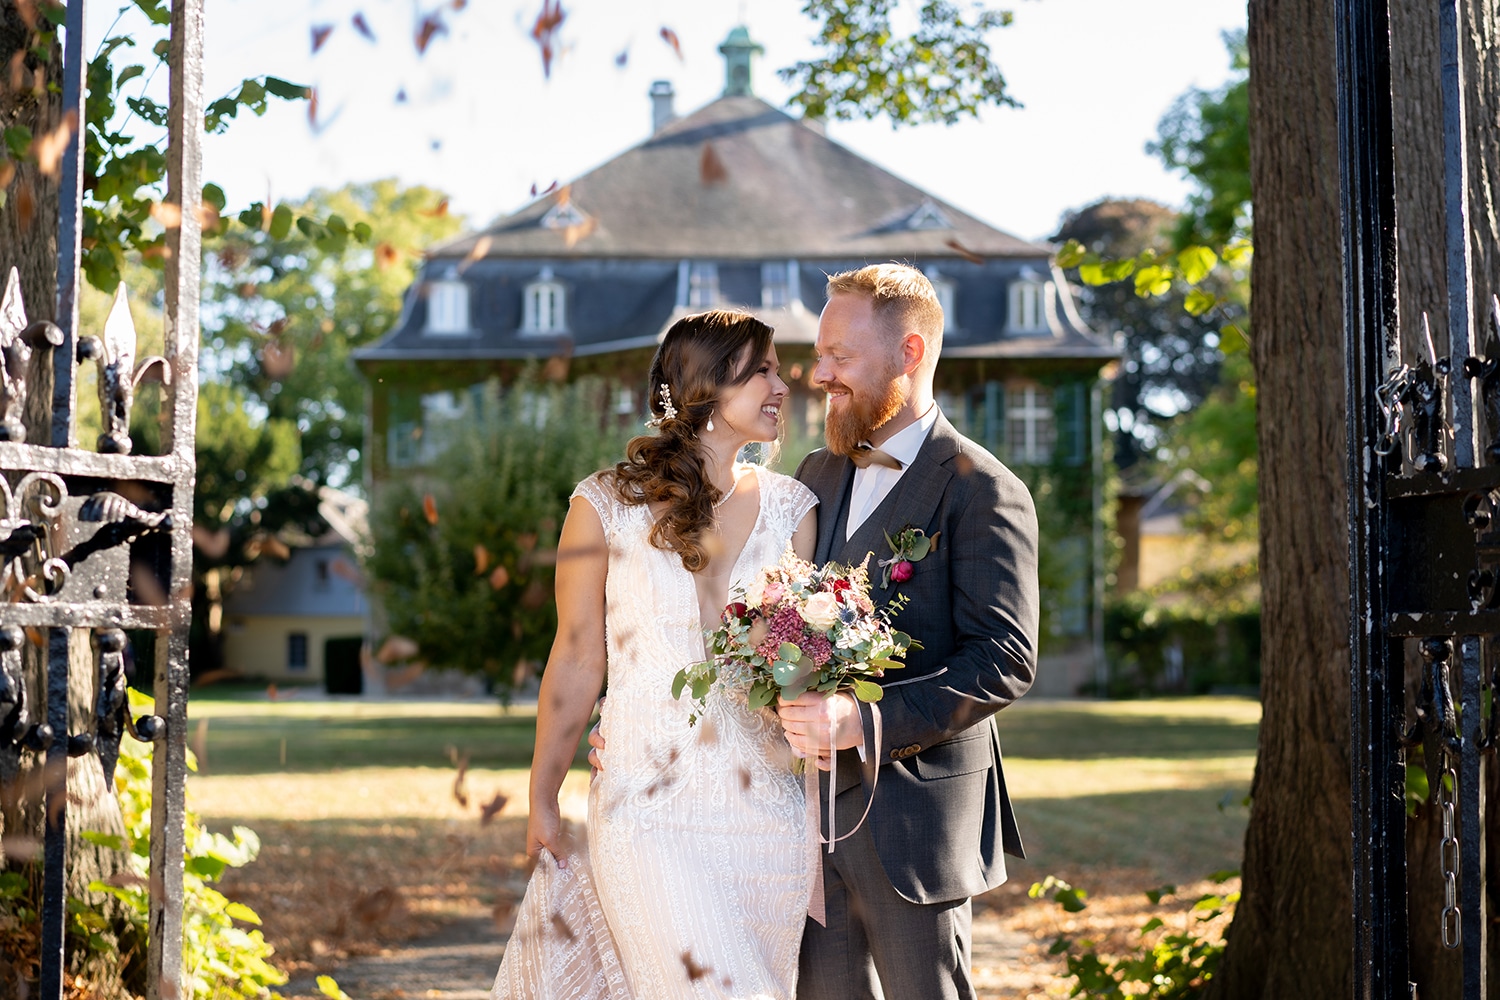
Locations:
column 901, row 572
column 774, row 594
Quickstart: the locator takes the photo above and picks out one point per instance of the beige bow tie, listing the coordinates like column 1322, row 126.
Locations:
column 865, row 456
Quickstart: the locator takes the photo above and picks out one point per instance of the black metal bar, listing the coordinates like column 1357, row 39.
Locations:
column 69, row 232
column 184, row 264
column 55, row 838
column 1366, row 157
column 1456, row 229
column 1471, row 798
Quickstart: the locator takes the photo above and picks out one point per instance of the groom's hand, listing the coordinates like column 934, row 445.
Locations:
column 806, row 721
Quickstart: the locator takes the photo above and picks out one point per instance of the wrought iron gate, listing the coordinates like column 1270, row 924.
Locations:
column 98, row 538
column 1424, row 525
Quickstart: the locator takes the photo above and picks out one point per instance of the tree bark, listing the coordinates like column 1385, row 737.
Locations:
column 29, row 96
column 1293, row 934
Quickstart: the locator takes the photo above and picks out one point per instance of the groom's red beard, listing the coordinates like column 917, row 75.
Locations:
column 863, row 413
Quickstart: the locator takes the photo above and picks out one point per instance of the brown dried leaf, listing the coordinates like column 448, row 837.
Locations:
column 491, row 809
column 561, row 927
column 277, row 359
column 429, row 27
column 479, row 249
column 694, row 971
column 461, row 761
column 481, row 560
column 710, row 168
column 670, row 37
column 208, row 217
column 429, row 508
column 361, row 25
column 544, row 31
column 7, row 173
column 964, row 252
column 312, row 108
column 213, row 544
column 16, row 70
column 386, row 256
column 320, row 33
column 572, row 234
column 534, row 596
column 499, row 578
column 50, row 147
column 27, row 10
column 25, row 205
column 437, row 211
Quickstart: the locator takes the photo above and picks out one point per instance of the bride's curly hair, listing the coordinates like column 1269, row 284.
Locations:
column 698, row 359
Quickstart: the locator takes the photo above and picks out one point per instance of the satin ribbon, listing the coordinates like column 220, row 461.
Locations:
column 817, row 903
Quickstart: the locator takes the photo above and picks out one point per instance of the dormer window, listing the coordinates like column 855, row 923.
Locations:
column 928, row 216
column 447, row 306
column 545, row 305
column 563, row 215
column 703, row 286
column 1028, row 312
column 775, row 285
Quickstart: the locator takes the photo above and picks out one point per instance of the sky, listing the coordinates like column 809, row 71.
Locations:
column 476, row 117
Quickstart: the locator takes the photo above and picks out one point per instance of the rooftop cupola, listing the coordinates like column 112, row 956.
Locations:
column 737, row 50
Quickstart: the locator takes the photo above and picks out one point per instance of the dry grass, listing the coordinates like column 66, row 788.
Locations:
column 1116, row 798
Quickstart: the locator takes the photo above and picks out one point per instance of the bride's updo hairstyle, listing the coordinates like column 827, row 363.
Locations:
column 700, row 357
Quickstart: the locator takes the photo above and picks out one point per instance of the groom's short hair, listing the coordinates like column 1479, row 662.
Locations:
column 904, row 300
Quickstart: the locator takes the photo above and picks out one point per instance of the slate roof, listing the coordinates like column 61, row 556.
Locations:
column 739, row 179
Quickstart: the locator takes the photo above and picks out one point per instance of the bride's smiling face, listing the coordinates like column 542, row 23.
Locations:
column 752, row 411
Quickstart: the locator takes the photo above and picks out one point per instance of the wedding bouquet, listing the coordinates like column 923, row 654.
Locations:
column 797, row 627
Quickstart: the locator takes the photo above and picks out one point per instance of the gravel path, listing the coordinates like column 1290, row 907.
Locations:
column 459, row 963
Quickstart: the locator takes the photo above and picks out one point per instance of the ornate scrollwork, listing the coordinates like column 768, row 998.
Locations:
column 17, row 341
column 14, row 712
column 27, row 536
column 114, row 353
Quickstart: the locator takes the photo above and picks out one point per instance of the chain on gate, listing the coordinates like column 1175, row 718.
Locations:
column 102, row 539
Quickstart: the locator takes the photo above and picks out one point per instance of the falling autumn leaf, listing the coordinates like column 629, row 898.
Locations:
column 25, row 206
column 481, row 560
column 461, row 761
column 386, row 255
column 429, row 27
column 710, row 167
column 8, row 174
column 277, row 359
column 16, row 70
column 50, row 147
column 694, row 971
column 477, row 251
column 429, row 508
column 208, row 217
column 499, row 578
column 167, row 213
column 670, row 37
column 561, row 927
column 320, row 33
column 362, row 26
column 312, row 107
column 965, row 252
column 573, row 234
column 27, row 10
column 545, row 30
column 437, row 211
column 489, row 810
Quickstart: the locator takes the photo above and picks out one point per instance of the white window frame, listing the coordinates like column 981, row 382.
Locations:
column 544, row 306
column 703, row 285
column 1029, row 410
column 945, row 289
column 447, row 308
column 775, row 285
column 1028, row 306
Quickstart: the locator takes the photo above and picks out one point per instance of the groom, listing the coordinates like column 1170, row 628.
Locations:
column 898, row 891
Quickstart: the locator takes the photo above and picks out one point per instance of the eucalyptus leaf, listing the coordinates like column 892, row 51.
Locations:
column 868, row 691
column 919, row 548
column 789, row 652
column 679, row 682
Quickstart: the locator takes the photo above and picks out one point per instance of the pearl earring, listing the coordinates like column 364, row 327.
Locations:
column 710, row 425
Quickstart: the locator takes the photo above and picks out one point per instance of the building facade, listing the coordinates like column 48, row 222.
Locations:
column 741, row 205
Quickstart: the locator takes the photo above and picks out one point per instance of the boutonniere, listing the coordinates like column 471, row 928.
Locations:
column 909, row 545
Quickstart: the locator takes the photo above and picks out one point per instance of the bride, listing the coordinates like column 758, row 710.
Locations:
column 696, row 843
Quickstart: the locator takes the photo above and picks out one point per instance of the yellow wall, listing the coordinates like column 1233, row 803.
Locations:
column 257, row 647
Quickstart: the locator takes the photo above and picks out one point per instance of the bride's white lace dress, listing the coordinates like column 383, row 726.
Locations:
column 697, row 839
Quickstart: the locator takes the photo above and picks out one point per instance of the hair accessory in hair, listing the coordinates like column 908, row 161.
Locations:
column 669, row 412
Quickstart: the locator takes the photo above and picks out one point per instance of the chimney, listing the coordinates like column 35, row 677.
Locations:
column 662, row 114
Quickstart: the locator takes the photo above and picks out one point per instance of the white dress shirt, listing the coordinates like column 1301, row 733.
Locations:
column 873, row 483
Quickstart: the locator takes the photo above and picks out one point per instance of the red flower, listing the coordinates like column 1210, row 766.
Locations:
column 736, row 610
column 838, row 585
column 901, row 572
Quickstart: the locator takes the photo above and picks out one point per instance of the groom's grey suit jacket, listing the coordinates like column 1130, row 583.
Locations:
column 941, row 815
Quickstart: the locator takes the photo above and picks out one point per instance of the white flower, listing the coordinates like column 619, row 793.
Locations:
column 755, row 594
column 820, row 611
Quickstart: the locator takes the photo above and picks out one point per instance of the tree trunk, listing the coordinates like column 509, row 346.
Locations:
column 28, row 242
column 1293, row 934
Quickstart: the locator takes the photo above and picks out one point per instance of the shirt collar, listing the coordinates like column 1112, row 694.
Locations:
column 905, row 443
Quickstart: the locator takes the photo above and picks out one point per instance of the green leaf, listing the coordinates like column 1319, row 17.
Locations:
column 207, row 867
column 761, row 695
column 214, row 195
column 701, row 686
column 1071, row 900
column 1238, row 253
column 281, row 222
column 109, row 841
column 1195, row 263
column 785, row 672
column 1199, row 302
column 920, row 546
column 162, row 49
column 239, row 911
column 679, row 682
column 1071, row 255
column 1232, row 339
column 154, row 10
column 337, row 225
column 1152, row 281
column 277, row 87
column 789, row 652
column 330, row 988
column 18, row 140
column 1151, row 925
column 868, row 691
column 127, row 74
column 363, row 232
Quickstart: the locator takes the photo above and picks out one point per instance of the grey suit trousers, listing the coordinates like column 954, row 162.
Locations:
column 874, row 937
